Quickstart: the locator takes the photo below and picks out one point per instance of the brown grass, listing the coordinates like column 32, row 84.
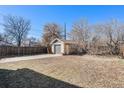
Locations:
column 83, row 71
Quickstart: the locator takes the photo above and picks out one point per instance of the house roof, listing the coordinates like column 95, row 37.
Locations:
column 3, row 43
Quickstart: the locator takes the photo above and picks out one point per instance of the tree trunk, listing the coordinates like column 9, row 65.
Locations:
column 49, row 49
column 19, row 43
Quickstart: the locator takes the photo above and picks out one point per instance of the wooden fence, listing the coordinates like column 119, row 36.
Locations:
column 6, row 51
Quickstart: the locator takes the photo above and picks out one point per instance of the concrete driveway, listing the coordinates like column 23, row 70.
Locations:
column 15, row 59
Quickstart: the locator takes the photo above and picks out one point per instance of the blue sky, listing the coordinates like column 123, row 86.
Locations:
column 40, row 15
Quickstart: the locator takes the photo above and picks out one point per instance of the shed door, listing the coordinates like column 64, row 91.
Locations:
column 57, row 49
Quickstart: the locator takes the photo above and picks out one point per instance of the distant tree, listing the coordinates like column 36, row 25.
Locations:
column 32, row 41
column 51, row 31
column 112, row 32
column 1, row 37
column 80, row 32
column 96, row 39
column 16, row 28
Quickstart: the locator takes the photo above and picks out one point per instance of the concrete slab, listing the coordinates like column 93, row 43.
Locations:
column 15, row 59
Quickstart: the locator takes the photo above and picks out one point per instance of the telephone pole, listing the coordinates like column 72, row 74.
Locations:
column 65, row 31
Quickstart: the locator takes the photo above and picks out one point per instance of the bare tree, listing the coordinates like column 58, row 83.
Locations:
column 51, row 31
column 1, row 37
column 33, row 41
column 96, row 40
column 112, row 32
column 16, row 28
column 80, row 32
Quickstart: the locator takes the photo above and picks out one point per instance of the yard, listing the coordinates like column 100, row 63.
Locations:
column 64, row 71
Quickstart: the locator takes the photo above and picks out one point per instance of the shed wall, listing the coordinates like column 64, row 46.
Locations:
column 58, row 43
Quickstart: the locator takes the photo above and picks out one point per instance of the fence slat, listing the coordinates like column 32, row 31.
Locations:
column 6, row 51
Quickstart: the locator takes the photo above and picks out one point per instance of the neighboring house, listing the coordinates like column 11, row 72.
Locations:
column 3, row 43
column 59, row 46
column 30, row 43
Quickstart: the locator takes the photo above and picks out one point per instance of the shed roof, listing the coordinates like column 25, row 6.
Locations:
column 66, row 41
column 71, row 42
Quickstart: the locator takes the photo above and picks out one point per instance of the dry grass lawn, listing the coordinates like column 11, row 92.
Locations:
column 82, row 71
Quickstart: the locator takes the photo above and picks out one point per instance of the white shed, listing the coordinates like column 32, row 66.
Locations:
column 59, row 46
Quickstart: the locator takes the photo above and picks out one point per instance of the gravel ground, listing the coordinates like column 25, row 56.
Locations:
column 72, row 71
